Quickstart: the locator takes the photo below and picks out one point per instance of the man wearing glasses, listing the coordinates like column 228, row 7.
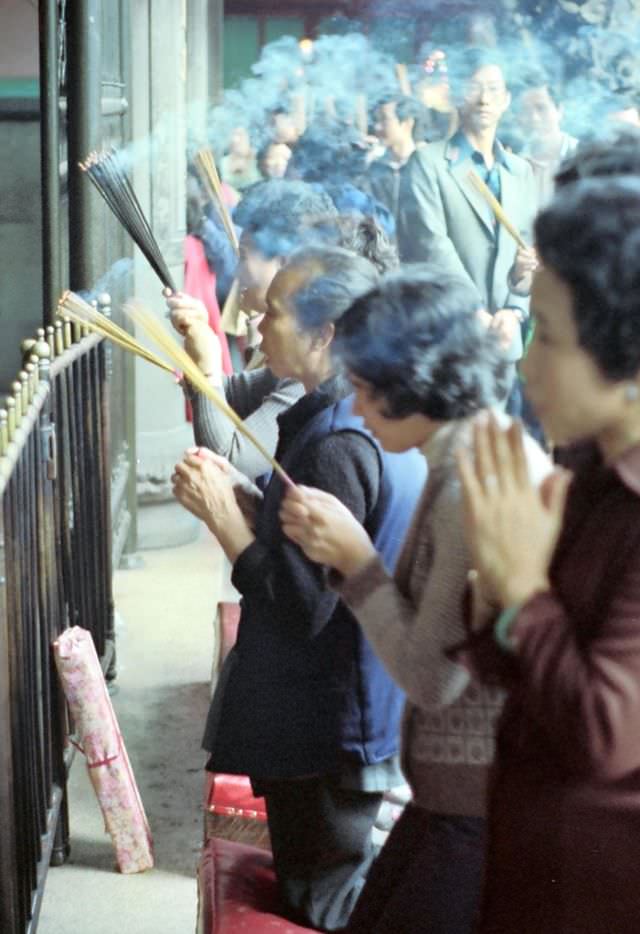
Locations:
column 443, row 217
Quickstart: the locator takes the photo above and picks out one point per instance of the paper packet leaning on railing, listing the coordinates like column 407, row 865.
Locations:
column 97, row 735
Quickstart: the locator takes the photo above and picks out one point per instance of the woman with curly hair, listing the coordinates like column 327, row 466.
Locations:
column 561, row 568
column 422, row 364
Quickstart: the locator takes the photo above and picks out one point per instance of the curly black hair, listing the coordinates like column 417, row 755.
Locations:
column 362, row 234
column 614, row 153
column 590, row 237
column 418, row 343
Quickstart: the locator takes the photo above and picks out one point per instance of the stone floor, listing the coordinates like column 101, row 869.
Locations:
column 165, row 649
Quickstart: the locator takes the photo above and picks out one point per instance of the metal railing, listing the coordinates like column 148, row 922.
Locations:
column 55, row 571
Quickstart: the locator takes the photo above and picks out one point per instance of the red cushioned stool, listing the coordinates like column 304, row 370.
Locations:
column 238, row 892
column 232, row 812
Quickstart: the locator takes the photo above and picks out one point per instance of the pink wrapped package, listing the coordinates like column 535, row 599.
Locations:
column 98, row 737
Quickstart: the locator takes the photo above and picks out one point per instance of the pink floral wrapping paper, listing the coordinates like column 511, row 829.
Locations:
column 98, row 737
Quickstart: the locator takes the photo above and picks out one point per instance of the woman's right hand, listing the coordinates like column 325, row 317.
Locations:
column 190, row 319
column 326, row 530
column 185, row 311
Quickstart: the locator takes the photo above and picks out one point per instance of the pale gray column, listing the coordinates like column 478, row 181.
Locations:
column 159, row 130
column 198, row 69
column 215, row 36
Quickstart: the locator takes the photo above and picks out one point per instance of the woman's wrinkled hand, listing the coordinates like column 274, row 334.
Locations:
column 190, row 319
column 203, row 482
column 512, row 526
column 325, row 529
column 185, row 311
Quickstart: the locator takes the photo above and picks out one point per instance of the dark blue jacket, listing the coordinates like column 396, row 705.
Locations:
column 303, row 692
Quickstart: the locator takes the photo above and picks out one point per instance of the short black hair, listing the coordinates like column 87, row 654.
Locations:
column 336, row 279
column 418, row 342
column 263, row 152
column 328, row 154
column 536, row 77
column 407, row 108
column 281, row 215
column 464, row 62
column 590, row 237
column 614, row 153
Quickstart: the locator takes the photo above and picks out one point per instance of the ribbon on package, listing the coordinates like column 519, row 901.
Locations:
column 98, row 736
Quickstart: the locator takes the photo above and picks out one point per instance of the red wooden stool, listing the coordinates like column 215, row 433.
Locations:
column 238, row 892
column 232, row 812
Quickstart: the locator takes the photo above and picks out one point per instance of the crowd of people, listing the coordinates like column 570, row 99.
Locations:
column 449, row 587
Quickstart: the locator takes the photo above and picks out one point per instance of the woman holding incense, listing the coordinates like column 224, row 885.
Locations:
column 303, row 705
column 286, row 216
column 277, row 217
column 422, row 365
column 561, row 567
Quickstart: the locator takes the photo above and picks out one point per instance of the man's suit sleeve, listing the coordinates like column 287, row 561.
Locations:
column 422, row 227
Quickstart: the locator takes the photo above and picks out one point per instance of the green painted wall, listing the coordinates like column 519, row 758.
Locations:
column 277, row 26
column 242, row 37
column 19, row 87
column 241, row 48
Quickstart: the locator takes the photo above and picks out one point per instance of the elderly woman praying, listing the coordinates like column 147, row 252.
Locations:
column 303, row 705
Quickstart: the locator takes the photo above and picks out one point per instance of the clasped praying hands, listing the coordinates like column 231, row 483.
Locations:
column 512, row 525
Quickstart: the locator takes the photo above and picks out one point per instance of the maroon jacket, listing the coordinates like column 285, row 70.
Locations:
column 564, row 806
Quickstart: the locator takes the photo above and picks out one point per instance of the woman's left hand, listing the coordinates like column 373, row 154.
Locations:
column 512, row 526
column 204, row 487
column 326, row 530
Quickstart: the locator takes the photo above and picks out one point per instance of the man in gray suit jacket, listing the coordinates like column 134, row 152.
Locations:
column 443, row 217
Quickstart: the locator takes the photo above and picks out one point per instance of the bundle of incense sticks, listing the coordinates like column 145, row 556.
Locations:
column 160, row 336
column 206, row 168
column 107, row 172
column 497, row 208
column 72, row 306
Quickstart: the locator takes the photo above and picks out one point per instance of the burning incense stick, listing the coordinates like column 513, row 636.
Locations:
column 107, row 172
column 75, row 308
column 497, row 208
column 403, row 79
column 155, row 330
column 206, row 168
column 361, row 115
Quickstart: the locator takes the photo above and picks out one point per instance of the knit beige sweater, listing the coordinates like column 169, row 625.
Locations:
column 412, row 618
